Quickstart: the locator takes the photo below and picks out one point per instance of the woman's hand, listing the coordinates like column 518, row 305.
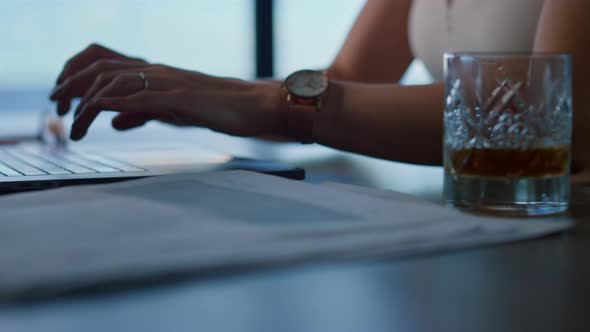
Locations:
column 87, row 64
column 140, row 92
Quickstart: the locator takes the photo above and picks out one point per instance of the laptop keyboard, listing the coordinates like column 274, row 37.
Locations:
column 17, row 161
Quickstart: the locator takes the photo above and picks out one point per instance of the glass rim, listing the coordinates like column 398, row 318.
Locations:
column 508, row 55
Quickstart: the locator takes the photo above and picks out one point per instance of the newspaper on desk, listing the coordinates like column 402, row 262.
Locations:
column 79, row 237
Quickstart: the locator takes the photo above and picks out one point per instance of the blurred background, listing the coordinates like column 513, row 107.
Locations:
column 217, row 37
column 240, row 38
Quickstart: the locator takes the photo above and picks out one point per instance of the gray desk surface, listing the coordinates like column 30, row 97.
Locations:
column 540, row 285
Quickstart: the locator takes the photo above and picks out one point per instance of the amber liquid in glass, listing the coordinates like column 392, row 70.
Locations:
column 510, row 163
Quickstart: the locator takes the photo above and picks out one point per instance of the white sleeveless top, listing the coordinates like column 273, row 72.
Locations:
column 471, row 25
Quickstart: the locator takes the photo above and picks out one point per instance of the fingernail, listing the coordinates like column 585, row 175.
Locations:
column 81, row 110
column 76, row 135
column 54, row 95
column 57, row 92
column 73, row 134
column 77, row 111
column 55, row 89
column 62, row 107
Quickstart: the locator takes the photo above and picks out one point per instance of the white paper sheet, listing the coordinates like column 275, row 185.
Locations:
column 79, row 237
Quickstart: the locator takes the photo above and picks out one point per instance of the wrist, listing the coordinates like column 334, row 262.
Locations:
column 272, row 104
column 331, row 115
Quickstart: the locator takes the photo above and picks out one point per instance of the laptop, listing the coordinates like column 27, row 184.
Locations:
column 40, row 163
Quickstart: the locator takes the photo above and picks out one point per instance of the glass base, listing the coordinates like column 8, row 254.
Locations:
column 508, row 196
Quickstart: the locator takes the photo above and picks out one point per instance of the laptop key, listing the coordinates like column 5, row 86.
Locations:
column 57, row 157
column 114, row 163
column 97, row 166
column 7, row 171
column 70, row 166
column 19, row 165
column 39, row 163
column 80, row 163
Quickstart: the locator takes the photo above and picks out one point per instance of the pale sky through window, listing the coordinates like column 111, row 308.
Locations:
column 213, row 36
column 38, row 36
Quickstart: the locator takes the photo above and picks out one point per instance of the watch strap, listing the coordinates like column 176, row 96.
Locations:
column 300, row 121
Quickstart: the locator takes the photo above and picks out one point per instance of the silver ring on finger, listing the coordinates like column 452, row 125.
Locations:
column 146, row 83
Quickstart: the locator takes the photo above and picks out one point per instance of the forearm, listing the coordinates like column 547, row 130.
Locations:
column 400, row 123
column 377, row 49
column 554, row 36
column 395, row 122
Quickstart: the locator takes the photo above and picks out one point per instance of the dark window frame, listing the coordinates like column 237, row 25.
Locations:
column 264, row 31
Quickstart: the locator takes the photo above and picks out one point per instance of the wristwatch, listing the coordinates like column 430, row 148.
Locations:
column 305, row 92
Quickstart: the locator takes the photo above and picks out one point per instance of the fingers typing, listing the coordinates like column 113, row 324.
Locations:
column 79, row 71
column 89, row 55
column 106, row 86
column 79, row 82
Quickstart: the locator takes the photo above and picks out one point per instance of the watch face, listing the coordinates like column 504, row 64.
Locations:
column 307, row 83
